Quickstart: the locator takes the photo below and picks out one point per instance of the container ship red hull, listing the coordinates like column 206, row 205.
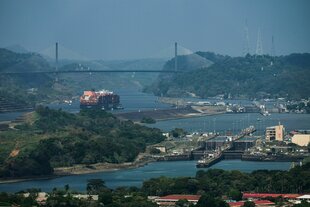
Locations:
column 105, row 100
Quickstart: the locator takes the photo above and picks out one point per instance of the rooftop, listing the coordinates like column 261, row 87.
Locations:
column 218, row 139
column 247, row 139
column 258, row 202
column 300, row 132
column 273, row 195
column 304, row 197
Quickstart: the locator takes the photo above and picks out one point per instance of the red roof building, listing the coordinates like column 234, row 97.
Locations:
column 258, row 203
column 236, row 204
column 265, row 195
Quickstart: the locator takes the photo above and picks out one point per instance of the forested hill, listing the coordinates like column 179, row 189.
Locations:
column 249, row 77
column 13, row 62
column 26, row 89
column 53, row 138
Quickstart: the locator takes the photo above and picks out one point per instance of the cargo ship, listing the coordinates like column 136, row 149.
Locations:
column 209, row 159
column 104, row 99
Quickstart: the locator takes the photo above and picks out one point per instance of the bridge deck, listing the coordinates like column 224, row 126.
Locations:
column 90, row 71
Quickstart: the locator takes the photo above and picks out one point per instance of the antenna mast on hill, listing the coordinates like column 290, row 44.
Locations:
column 259, row 44
column 273, row 48
column 56, row 61
column 175, row 56
column 246, row 48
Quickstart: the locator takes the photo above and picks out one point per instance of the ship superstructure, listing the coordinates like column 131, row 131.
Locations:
column 103, row 99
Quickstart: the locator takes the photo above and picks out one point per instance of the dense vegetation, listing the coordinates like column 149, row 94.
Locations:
column 178, row 132
column 212, row 185
column 218, row 182
column 250, row 77
column 148, row 120
column 56, row 138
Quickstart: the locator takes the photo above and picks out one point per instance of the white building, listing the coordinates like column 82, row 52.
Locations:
column 275, row 133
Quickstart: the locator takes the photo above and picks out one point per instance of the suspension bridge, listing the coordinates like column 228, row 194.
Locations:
column 90, row 71
column 66, row 53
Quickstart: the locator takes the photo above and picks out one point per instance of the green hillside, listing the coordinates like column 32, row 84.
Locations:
column 24, row 90
column 53, row 138
column 249, row 77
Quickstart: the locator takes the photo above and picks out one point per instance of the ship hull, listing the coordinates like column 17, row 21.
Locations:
column 104, row 100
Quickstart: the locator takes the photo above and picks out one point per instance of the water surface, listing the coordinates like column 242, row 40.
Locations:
column 135, row 177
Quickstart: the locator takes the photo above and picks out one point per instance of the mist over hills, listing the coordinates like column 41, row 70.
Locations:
column 112, row 81
column 17, row 48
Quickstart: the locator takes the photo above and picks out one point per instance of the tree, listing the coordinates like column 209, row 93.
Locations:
column 148, row 120
column 67, row 187
column 235, row 194
column 209, row 201
column 105, row 197
column 249, row 204
column 94, row 186
column 182, row 203
column 178, row 132
column 302, row 204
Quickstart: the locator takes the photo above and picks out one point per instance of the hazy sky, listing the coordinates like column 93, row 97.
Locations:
column 112, row 29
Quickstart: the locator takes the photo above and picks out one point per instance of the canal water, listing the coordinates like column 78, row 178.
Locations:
column 235, row 122
column 135, row 177
column 133, row 101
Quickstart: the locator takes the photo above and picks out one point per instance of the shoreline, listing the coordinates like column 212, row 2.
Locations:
column 167, row 114
column 105, row 167
column 82, row 169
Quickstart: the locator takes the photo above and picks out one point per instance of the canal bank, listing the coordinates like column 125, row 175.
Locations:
column 165, row 114
column 136, row 176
